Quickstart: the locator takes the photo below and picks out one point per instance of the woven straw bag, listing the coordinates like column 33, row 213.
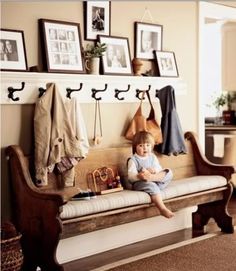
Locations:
column 11, row 253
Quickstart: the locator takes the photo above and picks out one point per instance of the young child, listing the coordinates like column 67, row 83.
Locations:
column 145, row 173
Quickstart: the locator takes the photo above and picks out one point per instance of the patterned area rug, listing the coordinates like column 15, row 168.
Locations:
column 209, row 252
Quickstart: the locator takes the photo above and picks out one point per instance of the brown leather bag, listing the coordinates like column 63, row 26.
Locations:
column 140, row 123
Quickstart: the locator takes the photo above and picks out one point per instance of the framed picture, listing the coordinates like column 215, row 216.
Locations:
column 97, row 19
column 62, row 45
column 116, row 59
column 12, row 46
column 166, row 63
column 148, row 37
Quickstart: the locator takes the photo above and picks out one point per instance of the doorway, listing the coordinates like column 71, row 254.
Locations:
column 211, row 18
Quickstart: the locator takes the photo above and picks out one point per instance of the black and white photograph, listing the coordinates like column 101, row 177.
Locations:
column 116, row 59
column 62, row 43
column 12, row 50
column 148, row 37
column 97, row 19
column 166, row 63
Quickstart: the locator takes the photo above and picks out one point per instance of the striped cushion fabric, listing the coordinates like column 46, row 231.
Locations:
column 103, row 203
column 128, row 198
column 192, row 185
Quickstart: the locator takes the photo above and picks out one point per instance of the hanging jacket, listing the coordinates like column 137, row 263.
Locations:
column 79, row 126
column 173, row 138
column 56, row 142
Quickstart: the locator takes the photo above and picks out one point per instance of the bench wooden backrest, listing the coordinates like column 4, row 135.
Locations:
column 181, row 165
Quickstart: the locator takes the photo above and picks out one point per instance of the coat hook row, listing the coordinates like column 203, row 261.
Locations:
column 69, row 90
column 138, row 91
column 11, row 91
column 95, row 91
column 118, row 91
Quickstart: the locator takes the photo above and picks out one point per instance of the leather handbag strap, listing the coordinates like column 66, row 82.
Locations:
column 152, row 111
column 139, row 110
column 97, row 112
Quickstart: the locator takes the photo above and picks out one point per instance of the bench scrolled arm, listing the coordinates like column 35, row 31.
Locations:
column 21, row 177
column 203, row 165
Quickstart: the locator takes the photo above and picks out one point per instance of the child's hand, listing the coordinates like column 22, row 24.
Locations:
column 144, row 174
column 151, row 170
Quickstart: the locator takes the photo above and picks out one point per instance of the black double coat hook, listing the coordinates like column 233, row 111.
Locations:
column 11, row 91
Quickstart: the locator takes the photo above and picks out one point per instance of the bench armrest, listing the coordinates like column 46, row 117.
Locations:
column 203, row 165
column 21, row 178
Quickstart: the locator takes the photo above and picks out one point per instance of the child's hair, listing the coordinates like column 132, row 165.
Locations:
column 141, row 138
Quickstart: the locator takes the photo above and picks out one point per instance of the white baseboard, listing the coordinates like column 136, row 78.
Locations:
column 103, row 240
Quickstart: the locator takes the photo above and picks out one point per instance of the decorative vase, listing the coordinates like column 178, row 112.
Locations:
column 218, row 118
column 92, row 65
column 228, row 117
column 137, row 65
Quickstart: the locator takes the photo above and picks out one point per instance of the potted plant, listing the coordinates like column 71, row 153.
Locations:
column 226, row 100
column 92, row 56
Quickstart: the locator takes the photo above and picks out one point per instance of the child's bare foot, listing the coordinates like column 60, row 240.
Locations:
column 166, row 213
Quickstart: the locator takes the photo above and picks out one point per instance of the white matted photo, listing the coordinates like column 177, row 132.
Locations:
column 97, row 19
column 116, row 59
column 12, row 50
column 148, row 37
column 63, row 47
column 166, row 63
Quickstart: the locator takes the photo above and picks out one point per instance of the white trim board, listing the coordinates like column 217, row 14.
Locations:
column 34, row 81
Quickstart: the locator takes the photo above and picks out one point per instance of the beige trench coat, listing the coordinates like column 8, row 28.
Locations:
column 54, row 136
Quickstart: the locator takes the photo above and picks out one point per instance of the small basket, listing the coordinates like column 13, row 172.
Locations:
column 11, row 254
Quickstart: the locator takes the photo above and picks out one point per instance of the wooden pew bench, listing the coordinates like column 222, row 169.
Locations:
column 46, row 215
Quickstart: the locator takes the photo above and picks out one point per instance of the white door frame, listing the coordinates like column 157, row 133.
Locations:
column 214, row 11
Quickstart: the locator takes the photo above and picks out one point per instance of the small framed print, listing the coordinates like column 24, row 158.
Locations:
column 63, row 46
column 12, row 50
column 166, row 63
column 97, row 19
column 116, row 59
column 148, row 37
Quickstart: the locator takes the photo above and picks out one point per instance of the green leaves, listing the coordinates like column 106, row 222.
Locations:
column 95, row 50
column 223, row 99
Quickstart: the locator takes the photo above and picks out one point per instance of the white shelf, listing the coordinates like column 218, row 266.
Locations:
column 33, row 81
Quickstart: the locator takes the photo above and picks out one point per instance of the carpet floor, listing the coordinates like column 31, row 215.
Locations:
column 209, row 252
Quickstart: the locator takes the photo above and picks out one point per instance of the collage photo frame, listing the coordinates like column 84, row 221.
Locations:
column 63, row 46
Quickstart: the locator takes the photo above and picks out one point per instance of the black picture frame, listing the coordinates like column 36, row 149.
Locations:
column 166, row 64
column 97, row 19
column 62, row 46
column 148, row 37
column 12, row 50
column 116, row 60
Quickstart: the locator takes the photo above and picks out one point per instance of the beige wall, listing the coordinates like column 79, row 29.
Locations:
column 179, row 20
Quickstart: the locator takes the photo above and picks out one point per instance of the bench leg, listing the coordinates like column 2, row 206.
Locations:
column 50, row 240
column 39, row 243
column 27, row 265
column 216, row 210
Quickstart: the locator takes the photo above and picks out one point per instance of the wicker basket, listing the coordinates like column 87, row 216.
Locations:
column 11, row 254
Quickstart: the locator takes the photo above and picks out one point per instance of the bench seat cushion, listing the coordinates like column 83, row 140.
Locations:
column 128, row 198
